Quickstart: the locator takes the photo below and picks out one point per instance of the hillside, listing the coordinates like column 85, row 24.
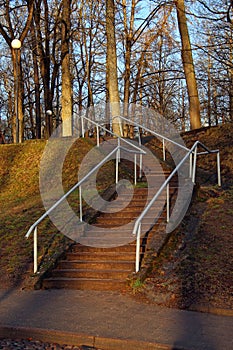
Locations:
column 194, row 271
column 195, row 268
column 21, row 205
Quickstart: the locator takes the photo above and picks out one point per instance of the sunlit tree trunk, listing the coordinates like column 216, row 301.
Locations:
column 66, row 98
column 187, row 59
column 111, row 67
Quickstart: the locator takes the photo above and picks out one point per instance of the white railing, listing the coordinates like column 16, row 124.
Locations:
column 78, row 186
column 192, row 155
column 100, row 127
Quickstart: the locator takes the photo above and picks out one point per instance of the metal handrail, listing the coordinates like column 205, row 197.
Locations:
column 77, row 185
column 164, row 138
column 137, row 150
column 193, row 150
column 109, row 132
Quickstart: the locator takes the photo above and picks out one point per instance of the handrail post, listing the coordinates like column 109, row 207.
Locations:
column 168, row 203
column 135, row 169
column 97, row 136
column 190, row 165
column 218, row 169
column 140, row 165
column 80, row 204
column 35, row 249
column 82, row 126
column 117, row 165
column 164, row 150
column 138, row 244
column 194, row 165
column 119, row 150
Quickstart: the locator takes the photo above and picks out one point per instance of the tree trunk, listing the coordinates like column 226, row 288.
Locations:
column 37, row 85
column 111, row 64
column 128, row 45
column 18, row 119
column 44, row 57
column 187, row 59
column 66, row 98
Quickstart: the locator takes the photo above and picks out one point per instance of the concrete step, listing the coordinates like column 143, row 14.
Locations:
column 95, row 265
column 82, row 248
column 101, row 256
column 96, row 274
column 84, row 284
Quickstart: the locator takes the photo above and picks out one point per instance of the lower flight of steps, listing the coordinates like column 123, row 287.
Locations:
column 103, row 260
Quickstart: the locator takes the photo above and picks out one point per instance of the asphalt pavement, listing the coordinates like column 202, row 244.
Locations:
column 109, row 320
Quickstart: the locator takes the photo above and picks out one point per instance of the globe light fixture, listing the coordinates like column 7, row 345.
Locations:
column 16, row 44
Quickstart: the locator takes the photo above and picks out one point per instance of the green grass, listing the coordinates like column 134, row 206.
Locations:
column 21, row 206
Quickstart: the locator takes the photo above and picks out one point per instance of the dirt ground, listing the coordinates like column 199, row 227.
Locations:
column 194, row 270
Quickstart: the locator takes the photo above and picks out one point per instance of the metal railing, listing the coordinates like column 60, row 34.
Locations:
column 100, row 127
column 189, row 153
column 78, row 186
column 192, row 155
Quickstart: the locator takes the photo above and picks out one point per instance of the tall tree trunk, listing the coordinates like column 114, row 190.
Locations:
column 187, row 59
column 66, row 98
column 111, row 66
column 128, row 45
column 44, row 57
column 18, row 119
column 37, row 84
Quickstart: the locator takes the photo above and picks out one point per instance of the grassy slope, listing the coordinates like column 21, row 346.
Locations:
column 21, row 205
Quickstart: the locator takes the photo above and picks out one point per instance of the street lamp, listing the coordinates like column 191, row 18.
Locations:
column 16, row 45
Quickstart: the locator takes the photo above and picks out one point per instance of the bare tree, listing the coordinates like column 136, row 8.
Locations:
column 66, row 98
column 187, row 59
column 9, row 34
column 111, row 67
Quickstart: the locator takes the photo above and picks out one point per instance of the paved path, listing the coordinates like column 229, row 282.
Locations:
column 109, row 320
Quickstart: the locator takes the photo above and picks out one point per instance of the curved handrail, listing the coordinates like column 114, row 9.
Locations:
column 193, row 150
column 79, row 183
column 111, row 133
column 155, row 133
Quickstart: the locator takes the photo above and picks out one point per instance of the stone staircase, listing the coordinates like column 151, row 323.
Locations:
column 103, row 259
column 106, row 253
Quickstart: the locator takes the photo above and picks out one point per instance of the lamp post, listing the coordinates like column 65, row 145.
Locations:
column 49, row 114
column 16, row 45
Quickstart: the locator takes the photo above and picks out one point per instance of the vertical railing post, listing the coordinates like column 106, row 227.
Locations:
column 80, row 204
column 35, row 250
column 135, row 169
column 82, row 126
column 140, row 165
column 119, row 150
column 168, row 203
column 140, row 155
column 194, row 165
column 138, row 245
column 117, row 165
column 218, row 169
column 164, row 150
column 97, row 136
column 190, row 165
